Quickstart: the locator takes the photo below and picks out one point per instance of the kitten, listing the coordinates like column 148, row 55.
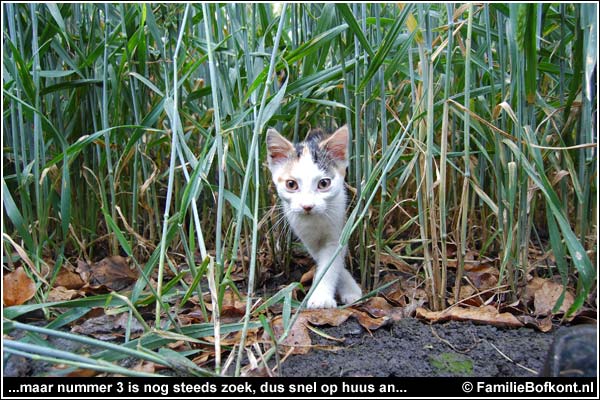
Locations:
column 309, row 177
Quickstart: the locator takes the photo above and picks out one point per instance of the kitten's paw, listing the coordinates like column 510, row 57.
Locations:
column 321, row 301
column 350, row 297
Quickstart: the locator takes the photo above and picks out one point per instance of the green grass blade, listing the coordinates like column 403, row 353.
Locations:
column 355, row 28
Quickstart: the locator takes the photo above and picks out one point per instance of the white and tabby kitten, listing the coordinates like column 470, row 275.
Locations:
column 309, row 177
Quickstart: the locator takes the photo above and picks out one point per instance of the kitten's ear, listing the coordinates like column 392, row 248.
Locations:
column 279, row 148
column 337, row 145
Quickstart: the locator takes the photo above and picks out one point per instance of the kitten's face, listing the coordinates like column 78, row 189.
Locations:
column 309, row 176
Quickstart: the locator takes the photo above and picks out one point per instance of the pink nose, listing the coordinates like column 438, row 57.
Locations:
column 307, row 207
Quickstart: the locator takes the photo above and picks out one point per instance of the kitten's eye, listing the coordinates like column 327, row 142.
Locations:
column 324, row 183
column 291, row 185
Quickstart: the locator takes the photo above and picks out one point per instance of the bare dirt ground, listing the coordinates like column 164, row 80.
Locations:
column 412, row 348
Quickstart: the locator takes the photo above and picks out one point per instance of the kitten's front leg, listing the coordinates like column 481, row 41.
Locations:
column 347, row 288
column 324, row 294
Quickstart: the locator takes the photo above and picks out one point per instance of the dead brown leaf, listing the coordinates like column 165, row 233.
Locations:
column 58, row 370
column 307, row 277
column 377, row 307
column 399, row 264
column 231, row 314
column 61, row 293
column 196, row 316
column 18, row 287
column 82, row 373
column 145, row 366
column 113, row 273
column 230, row 299
column 233, row 307
column 68, row 279
column 482, row 276
column 482, row 315
column 408, row 310
column 179, row 344
column 237, row 273
column 543, row 325
column 107, row 327
column 396, row 296
column 405, row 293
column 236, row 337
column 327, row 316
column 337, row 316
column 191, row 316
column 84, row 270
column 369, row 322
column 467, row 292
column 545, row 293
column 298, row 339
column 203, row 358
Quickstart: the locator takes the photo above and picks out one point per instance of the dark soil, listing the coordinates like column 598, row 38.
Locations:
column 410, row 347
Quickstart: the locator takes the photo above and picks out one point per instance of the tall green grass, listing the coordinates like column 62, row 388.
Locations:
column 138, row 129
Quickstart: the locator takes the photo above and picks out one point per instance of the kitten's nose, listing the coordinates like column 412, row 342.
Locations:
column 307, row 207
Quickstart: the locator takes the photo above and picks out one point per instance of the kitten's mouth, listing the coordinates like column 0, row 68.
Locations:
column 306, row 212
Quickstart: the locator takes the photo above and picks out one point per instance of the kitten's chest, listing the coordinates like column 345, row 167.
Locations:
column 316, row 231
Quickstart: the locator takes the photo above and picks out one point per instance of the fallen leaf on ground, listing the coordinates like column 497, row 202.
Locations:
column 61, row 293
column 297, row 341
column 68, row 279
column 377, row 307
column 237, row 273
column 543, row 325
column 203, row 358
column 482, row 276
column 337, row 316
column 467, row 296
column 326, row 316
column 230, row 299
column 59, row 370
column 82, row 373
column 107, row 327
column 236, row 337
column 18, row 287
column 233, row 307
column 231, row 314
column 191, row 316
column 84, row 270
column 396, row 262
column 483, row 315
column 368, row 322
column 179, row 344
column 395, row 296
column 307, row 277
column 403, row 292
column 145, row 366
column 113, row 273
column 408, row 310
column 533, row 285
column 545, row 293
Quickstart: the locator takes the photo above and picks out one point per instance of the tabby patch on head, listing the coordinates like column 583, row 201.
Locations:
column 309, row 175
column 326, row 151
